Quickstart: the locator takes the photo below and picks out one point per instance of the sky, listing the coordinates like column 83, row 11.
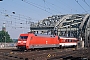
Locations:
column 17, row 14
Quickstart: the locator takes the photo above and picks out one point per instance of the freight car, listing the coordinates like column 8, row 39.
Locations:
column 32, row 41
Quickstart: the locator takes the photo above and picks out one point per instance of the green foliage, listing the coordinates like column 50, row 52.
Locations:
column 15, row 40
column 4, row 36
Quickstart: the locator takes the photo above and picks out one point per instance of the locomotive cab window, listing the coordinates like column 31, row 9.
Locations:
column 23, row 37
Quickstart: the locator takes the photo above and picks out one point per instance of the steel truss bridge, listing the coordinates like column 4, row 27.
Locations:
column 70, row 25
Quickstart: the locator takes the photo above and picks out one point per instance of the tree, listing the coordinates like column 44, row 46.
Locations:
column 5, row 37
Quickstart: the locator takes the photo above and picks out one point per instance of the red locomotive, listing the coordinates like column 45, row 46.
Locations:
column 31, row 41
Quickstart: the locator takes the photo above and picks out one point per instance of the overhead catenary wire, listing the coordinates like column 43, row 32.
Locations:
column 66, row 5
column 13, row 17
column 16, row 21
column 13, row 20
column 81, row 6
column 6, row 14
column 52, row 5
column 36, row 6
column 17, row 17
column 49, row 8
column 44, row 4
column 86, row 3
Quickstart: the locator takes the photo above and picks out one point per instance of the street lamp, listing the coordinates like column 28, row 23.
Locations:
column 5, row 41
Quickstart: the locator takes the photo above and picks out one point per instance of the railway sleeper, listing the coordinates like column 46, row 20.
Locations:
column 19, row 58
column 12, row 57
column 68, row 58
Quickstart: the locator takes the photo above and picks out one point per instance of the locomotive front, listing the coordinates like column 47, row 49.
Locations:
column 21, row 44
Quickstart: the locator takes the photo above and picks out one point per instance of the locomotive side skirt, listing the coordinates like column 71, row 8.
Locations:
column 44, row 46
column 68, row 44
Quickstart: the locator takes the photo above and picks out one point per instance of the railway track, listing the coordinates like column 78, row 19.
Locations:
column 74, row 55
column 56, row 54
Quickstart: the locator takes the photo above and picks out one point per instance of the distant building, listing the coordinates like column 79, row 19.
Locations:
column 4, row 27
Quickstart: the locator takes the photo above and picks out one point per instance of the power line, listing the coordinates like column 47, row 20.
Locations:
column 19, row 16
column 80, row 6
column 86, row 3
column 36, row 6
column 49, row 7
column 51, row 4
column 66, row 5
column 11, row 19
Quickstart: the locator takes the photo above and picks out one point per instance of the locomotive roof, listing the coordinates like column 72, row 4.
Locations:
column 44, row 35
column 67, row 37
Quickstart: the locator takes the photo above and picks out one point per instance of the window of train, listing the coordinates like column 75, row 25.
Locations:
column 23, row 37
column 70, row 40
column 66, row 40
column 63, row 40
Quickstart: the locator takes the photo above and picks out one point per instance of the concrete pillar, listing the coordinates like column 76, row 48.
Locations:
column 80, row 44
